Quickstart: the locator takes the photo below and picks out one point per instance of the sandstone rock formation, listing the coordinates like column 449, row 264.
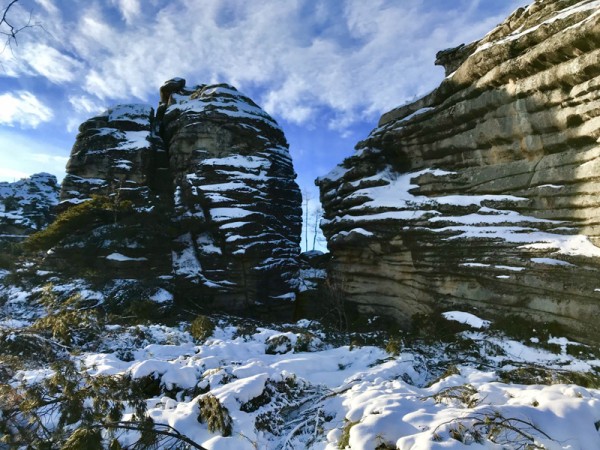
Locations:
column 235, row 192
column 27, row 205
column 484, row 193
column 203, row 194
column 116, row 152
column 116, row 156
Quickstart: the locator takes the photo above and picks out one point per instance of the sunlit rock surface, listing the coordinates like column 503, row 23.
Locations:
column 485, row 192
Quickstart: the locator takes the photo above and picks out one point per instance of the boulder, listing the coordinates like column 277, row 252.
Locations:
column 170, row 87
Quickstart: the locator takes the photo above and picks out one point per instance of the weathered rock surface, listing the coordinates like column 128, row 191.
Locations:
column 116, row 156
column 26, row 206
column 204, row 198
column 235, row 192
column 114, row 153
column 484, row 193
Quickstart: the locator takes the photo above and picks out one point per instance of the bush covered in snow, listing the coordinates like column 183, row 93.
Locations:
column 227, row 383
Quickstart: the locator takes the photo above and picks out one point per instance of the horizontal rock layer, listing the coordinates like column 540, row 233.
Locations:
column 115, row 153
column 484, row 193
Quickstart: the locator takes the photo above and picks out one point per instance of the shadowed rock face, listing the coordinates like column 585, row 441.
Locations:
column 115, row 152
column 213, row 206
column 234, row 191
column 484, row 193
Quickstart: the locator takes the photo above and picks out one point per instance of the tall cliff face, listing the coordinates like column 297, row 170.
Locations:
column 235, row 192
column 484, row 193
column 203, row 197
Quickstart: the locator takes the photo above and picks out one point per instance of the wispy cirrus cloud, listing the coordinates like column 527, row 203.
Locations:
column 86, row 104
column 49, row 7
column 83, row 107
column 130, row 9
column 351, row 59
column 24, row 109
column 46, row 61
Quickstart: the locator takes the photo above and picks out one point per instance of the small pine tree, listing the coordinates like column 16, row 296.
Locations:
column 215, row 415
column 202, row 328
column 84, row 216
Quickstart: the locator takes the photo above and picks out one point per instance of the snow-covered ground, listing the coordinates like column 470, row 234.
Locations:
column 360, row 396
column 298, row 386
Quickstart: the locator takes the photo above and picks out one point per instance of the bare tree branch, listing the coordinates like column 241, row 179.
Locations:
column 159, row 429
column 9, row 30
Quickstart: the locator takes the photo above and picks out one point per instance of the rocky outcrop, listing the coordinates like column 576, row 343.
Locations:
column 203, row 196
column 116, row 159
column 235, row 194
column 114, row 153
column 484, row 193
column 27, row 205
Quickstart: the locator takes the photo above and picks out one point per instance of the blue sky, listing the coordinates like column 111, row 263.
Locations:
column 324, row 69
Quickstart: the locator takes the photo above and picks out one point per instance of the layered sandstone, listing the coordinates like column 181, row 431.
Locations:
column 484, row 193
column 114, row 153
column 116, row 158
column 203, row 194
column 234, row 194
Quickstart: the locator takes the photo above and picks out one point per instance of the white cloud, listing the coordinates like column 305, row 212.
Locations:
column 82, row 108
column 359, row 59
column 130, row 9
column 48, row 62
column 49, row 6
column 355, row 58
column 86, row 104
column 290, row 100
column 24, row 109
column 39, row 59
